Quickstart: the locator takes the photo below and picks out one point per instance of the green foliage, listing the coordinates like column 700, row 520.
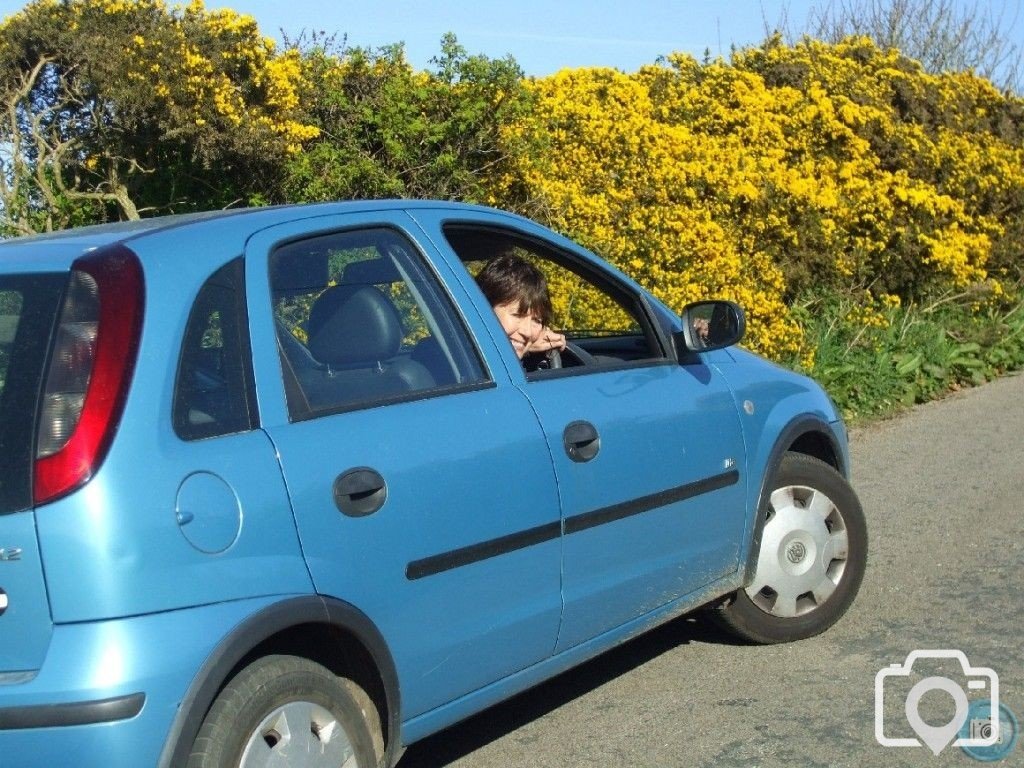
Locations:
column 116, row 107
column 840, row 171
column 918, row 354
column 388, row 130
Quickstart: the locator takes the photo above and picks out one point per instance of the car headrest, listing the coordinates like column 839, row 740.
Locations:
column 354, row 325
column 370, row 272
column 298, row 268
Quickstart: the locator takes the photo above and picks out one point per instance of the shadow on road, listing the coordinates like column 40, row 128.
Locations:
column 463, row 738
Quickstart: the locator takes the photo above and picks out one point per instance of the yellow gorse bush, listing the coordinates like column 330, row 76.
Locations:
column 790, row 175
column 199, row 81
column 593, row 159
column 791, row 170
column 190, row 79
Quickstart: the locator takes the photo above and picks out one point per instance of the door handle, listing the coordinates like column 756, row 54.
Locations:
column 581, row 441
column 360, row 492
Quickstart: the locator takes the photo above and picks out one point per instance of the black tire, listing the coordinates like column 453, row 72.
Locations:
column 831, row 557
column 280, row 700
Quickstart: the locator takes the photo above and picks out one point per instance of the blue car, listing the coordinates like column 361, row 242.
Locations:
column 277, row 489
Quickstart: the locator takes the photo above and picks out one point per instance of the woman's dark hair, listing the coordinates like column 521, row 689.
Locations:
column 509, row 278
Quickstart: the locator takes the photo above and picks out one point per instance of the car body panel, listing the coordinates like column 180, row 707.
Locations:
column 454, row 630
column 637, row 561
column 442, row 717
column 135, row 557
column 25, row 623
column 617, row 568
column 19, row 258
column 115, row 547
column 777, row 397
column 95, row 661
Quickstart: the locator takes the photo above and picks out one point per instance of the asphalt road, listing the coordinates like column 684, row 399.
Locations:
column 943, row 490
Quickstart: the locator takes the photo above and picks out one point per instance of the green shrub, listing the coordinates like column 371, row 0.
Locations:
column 876, row 363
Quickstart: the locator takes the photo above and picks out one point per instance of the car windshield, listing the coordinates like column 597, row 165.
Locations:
column 28, row 304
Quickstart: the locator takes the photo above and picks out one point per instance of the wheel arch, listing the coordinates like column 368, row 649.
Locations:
column 330, row 632
column 805, row 434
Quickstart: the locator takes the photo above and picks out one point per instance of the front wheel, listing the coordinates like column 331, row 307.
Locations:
column 811, row 559
column 287, row 710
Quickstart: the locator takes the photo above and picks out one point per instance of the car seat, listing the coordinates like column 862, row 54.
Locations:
column 356, row 333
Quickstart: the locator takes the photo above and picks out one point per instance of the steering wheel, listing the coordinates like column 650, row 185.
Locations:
column 573, row 351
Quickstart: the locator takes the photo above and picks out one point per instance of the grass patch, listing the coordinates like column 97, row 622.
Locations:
column 876, row 363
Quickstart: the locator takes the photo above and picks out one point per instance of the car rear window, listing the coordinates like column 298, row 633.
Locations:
column 28, row 306
column 10, row 312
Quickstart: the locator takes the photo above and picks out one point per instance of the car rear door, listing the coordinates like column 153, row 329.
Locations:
column 422, row 488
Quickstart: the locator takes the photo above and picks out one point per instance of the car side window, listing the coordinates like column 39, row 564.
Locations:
column 360, row 322
column 213, row 393
column 597, row 315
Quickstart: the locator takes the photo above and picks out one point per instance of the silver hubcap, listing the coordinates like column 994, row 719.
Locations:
column 803, row 553
column 301, row 734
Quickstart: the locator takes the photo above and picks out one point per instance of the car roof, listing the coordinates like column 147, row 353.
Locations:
column 55, row 250
column 98, row 235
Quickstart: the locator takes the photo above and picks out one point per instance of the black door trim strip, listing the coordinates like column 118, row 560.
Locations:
column 456, row 558
column 610, row 514
column 485, row 550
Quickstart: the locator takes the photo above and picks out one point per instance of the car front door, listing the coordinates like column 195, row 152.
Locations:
column 648, row 452
column 422, row 489
column 658, row 511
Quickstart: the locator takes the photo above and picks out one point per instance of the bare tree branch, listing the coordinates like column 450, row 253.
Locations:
column 44, row 163
column 944, row 35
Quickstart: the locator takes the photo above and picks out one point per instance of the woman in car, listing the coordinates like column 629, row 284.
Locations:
column 518, row 294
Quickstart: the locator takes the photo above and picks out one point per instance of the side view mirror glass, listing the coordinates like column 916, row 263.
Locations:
column 711, row 325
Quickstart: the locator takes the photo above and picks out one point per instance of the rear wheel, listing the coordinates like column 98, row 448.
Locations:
column 811, row 559
column 287, row 710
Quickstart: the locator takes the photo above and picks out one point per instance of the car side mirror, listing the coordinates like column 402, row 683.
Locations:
column 711, row 325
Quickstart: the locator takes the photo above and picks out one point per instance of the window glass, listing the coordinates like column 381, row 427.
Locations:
column 596, row 314
column 360, row 321
column 213, row 389
column 10, row 311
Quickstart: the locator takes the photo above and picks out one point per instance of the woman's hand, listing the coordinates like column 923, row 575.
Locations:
column 546, row 340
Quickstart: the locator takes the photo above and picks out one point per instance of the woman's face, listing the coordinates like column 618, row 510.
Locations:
column 522, row 328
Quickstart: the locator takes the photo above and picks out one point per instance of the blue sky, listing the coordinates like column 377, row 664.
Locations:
column 542, row 35
column 547, row 35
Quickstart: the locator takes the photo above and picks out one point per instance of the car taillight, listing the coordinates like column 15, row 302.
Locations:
column 90, row 367
column 70, row 364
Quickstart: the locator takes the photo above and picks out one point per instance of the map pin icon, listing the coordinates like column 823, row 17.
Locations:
column 936, row 738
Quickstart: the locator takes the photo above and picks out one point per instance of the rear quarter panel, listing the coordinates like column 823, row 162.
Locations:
column 114, row 547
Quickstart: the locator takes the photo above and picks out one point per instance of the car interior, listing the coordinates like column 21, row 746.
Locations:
column 604, row 324
column 358, row 322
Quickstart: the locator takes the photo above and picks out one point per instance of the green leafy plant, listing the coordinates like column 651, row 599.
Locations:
column 873, row 369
